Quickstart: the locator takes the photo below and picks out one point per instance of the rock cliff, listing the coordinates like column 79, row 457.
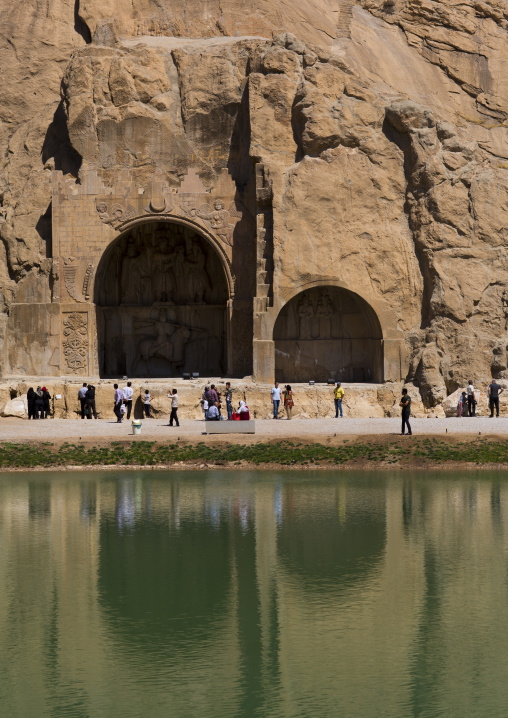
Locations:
column 382, row 125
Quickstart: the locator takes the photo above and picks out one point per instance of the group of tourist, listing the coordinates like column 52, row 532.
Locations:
column 86, row 396
column 38, row 403
column 211, row 404
column 468, row 401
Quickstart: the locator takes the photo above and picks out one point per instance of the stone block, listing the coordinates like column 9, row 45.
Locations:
column 230, row 427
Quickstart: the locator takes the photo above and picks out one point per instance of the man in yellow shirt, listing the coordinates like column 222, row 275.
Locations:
column 338, row 394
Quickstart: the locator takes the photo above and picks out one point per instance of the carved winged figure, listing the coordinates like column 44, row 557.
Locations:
column 218, row 218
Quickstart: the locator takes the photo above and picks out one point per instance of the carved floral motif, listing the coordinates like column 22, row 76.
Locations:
column 75, row 342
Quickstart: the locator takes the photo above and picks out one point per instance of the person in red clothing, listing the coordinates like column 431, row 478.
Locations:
column 243, row 410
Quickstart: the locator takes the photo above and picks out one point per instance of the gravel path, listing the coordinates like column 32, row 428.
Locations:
column 15, row 430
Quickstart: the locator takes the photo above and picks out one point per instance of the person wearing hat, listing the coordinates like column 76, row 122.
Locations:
column 338, row 394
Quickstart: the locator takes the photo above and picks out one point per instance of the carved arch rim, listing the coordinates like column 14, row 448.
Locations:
column 385, row 318
column 208, row 236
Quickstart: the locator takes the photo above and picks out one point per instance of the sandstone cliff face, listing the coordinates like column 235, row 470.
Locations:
column 382, row 128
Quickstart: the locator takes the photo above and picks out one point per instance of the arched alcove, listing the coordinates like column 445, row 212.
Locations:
column 161, row 295
column 327, row 332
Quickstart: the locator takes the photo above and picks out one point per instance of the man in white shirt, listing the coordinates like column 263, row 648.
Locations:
column 213, row 412
column 174, row 408
column 128, row 391
column 471, row 401
column 276, row 400
column 81, row 397
column 118, row 404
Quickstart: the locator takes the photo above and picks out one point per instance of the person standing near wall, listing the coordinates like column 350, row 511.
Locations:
column 276, row 391
column 90, row 401
column 174, row 408
column 228, row 393
column 494, row 390
column 146, row 403
column 39, row 404
column 46, row 398
column 81, row 396
column 338, row 395
column 127, row 396
column 471, row 399
column 30, row 400
column 288, row 400
column 118, row 404
column 405, row 404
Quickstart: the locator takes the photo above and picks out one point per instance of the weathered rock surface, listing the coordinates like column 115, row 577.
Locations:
column 16, row 407
column 382, row 130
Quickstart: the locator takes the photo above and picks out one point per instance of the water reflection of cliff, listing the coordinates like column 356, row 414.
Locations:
column 236, row 597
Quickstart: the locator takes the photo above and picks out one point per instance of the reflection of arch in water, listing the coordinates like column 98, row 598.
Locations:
column 326, row 547
column 162, row 294
column 160, row 590
column 327, row 332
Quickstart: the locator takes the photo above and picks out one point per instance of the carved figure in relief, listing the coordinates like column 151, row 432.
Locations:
column 199, row 279
column 218, row 218
column 130, row 284
column 324, row 313
column 305, row 316
column 168, row 343
column 164, row 274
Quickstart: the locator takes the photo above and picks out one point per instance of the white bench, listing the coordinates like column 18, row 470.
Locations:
column 230, row 427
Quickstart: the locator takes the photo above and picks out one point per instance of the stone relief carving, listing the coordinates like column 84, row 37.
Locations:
column 315, row 322
column 168, row 343
column 75, row 342
column 86, row 282
column 162, row 304
column 306, row 317
column 114, row 214
column 220, row 214
column 217, row 218
column 70, row 272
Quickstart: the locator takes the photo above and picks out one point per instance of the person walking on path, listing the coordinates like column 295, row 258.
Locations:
column 338, row 395
column 493, row 391
column 276, row 392
column 288, row 401
column 90, row 402
column 174, row 408
column 128, row 392
column 471, row 399
column 30, row 400
column 81, row 396
column 229, row 396
column 146, row 403
column 118, row 403
column 405, row 403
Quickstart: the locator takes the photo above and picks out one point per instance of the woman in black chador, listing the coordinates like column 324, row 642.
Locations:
column 30, row 400
column 39, row 404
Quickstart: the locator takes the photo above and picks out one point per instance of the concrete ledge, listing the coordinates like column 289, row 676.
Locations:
column 230, row 427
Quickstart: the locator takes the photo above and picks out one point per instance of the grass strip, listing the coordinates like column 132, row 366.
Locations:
column 284, row 453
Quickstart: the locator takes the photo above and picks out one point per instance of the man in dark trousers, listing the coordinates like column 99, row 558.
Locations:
column 405, row 404
column 494, row 389
column 90, row 401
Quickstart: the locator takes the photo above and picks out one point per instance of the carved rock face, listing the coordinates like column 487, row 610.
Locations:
column 380, row 167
